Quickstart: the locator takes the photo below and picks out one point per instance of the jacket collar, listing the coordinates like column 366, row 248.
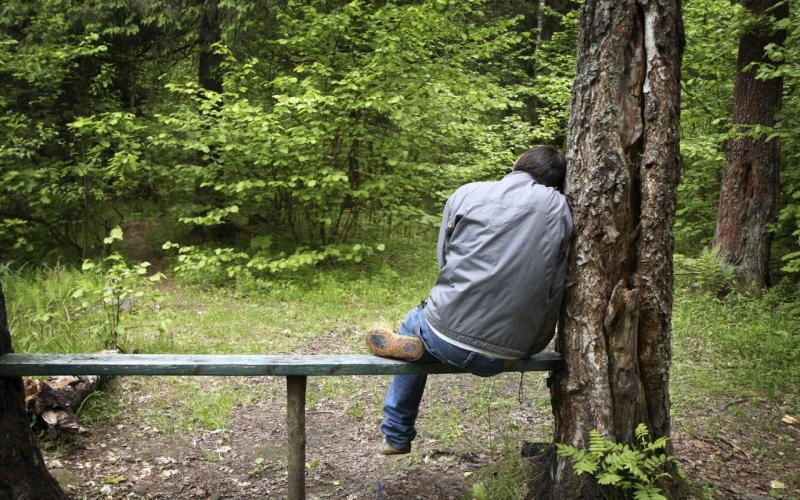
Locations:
column 516, row 175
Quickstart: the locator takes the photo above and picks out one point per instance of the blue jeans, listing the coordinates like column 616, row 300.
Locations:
column 401, row 406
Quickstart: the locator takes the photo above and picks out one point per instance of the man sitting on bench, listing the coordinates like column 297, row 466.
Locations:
column 502, row 254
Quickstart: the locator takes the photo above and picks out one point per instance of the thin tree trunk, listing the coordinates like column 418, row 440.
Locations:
column 210, row 72
column 23, row 474
column 623, row 170
column 547, row 24
column 748, row 199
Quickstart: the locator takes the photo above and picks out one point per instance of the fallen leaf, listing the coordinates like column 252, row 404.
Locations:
column 777, row 485
column 788, row 419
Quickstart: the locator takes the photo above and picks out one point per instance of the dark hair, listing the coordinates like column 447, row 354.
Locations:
column 545, row 164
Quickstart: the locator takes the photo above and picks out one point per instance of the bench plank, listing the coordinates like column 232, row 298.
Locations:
column 236, row 364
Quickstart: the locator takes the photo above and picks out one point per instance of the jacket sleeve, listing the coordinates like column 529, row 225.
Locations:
column 444, row 232
column 557, row 295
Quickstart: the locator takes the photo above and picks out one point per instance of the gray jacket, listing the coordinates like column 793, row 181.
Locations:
column 502, row 255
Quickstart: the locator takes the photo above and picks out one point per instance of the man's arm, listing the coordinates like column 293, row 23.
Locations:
column 445, row 231
column 557, row 287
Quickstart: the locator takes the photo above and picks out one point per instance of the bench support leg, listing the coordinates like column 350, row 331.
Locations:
column 296, row 427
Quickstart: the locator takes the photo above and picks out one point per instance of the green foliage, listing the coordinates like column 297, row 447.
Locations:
column 707, row 76
column 785, row 64
column 383, row 110
column 335, row 119
column 623, row 470
column 756, row 339
column 43, row 316
column 121, row 288
column 555, row 70
column 708, row 272
column 218, row 266
column 71, row 83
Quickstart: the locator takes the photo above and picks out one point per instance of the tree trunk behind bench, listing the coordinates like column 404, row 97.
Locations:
column 23, row 474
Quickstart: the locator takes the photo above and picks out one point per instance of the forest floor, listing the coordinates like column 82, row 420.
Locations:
column 210, row 437
column 215, row 437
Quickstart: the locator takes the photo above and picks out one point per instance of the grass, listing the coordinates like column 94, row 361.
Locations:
column 99, row 406
column 44, row 317
column 504, row 479
column 741, row 346
column 188, row 405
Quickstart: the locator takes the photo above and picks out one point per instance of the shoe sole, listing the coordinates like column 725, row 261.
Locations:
column 395, row 346
column 388, row 450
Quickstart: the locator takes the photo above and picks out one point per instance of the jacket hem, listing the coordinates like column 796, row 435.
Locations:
column 469, row 340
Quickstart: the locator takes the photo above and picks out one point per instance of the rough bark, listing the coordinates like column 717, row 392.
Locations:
column 23, row 474
column 210, row 71
column 623, row 170
column 54, row 400
column 748, row 199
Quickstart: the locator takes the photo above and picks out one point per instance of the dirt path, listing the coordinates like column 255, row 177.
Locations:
column 129, row 457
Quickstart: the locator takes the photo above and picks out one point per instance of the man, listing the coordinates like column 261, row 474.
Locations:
column 502, row 254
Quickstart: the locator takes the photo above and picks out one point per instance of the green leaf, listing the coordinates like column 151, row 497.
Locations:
column 607, row 478
column 115, row 234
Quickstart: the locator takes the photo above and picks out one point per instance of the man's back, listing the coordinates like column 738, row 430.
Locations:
column 502, row 262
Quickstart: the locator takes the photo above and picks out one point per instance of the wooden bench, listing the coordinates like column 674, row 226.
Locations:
column 295, row 368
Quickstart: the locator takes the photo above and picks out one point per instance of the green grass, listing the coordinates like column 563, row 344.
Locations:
column 187, row 405
column 42, row 314
column 505, row 479
column 44, row 317
column 100, row 406
column 739, row 346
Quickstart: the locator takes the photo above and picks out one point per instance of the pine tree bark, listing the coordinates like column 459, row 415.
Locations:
column 23, row 474
column 622, row 175
column 748, row 199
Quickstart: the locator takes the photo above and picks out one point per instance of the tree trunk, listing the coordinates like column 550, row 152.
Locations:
column 54, row 400
column 547, row 24
column 210, row 71
column 23, row 474
column 748, row 199
column 623, row 170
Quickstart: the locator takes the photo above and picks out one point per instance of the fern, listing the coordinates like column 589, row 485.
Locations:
column 623, row 470
column 710, row 272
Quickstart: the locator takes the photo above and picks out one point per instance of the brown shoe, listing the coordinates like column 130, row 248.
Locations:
column 387, row 449
column 388, row 344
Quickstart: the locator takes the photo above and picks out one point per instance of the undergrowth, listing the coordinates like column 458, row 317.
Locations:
column 741, row 344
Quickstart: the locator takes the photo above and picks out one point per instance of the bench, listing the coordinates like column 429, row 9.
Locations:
column 296, row 369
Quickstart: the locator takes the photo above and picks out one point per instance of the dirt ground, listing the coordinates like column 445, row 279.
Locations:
column 247, row 459
column 127, row 457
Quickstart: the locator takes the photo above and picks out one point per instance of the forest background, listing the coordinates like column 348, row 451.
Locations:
column 270, row 136
column 243, row 147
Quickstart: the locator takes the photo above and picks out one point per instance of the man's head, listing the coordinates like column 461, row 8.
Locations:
column 545, row 164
